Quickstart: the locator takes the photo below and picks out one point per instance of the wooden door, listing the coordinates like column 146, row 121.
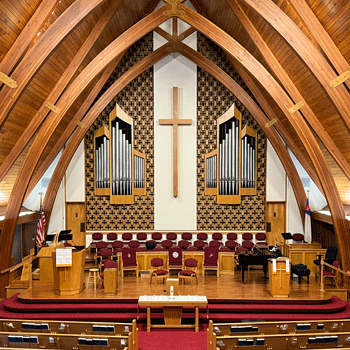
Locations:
column 76, row 221
column 275, row 221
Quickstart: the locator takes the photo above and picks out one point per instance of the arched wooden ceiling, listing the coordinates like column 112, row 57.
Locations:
column 17, row 16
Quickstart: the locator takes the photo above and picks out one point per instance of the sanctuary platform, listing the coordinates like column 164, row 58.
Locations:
column 229, row 300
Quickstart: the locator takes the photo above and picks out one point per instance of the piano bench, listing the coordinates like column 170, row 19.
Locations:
column 300, row 270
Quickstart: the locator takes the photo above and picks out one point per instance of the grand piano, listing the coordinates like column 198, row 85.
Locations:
column 256, row 257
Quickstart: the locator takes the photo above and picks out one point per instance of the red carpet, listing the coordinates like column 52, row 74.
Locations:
column 173, row 340
column 219, row 310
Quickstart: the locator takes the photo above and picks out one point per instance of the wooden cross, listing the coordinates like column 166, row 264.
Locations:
column 175, row 122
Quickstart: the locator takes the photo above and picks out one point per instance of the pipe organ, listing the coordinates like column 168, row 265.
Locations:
column 231, row 168
column 119, row 169
column 248, row 183
column 140, row 173
column 101, row 151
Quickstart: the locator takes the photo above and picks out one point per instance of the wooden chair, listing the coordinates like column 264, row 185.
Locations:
column 129, row 261
column 332, row 275
column 211, row 255
column 99, row 246
column 189, row 270
column 260, row 238
column 175, row 258
column 158, row 264
column 105, row 255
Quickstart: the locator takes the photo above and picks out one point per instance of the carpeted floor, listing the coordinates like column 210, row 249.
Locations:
column 173, row 339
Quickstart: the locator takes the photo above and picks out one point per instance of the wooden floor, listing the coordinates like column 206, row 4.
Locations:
column 223, row 287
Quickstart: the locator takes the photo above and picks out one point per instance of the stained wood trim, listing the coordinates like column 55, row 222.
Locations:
column 288, row 84
column 55, row 93
column 322, row 37
column 259, row 116
column 301, row 127
column 279, row 127
column 7, row 80
column 42, row 49
column 72, row 125
column 47, row 129
column 26, row 36
column 89, row 119
column 313, row 58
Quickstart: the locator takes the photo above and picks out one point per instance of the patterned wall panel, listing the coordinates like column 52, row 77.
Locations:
column 214, row 100
column 137, row 101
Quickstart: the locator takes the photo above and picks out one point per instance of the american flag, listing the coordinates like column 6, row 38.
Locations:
column 40, row 228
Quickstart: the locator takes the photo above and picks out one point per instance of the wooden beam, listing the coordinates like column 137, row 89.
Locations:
column 57, row 90
column 26, row 69
column 72, row 125
column 316, row 62
column 252, row 86
column 301, row 127
column 47, row 129
column 258, row 115
column 26, row 36
column 89, row 119
column 7, row 81
column 289, row 86
column 322, row 37
column 340, row 79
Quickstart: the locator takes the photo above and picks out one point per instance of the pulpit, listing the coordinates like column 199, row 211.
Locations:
column 69, row 277
column 45, row 263
column 279, row 276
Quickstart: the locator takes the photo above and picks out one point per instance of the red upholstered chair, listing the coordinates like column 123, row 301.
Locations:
column 157, row 237
column 187, row 236
column 175, row 258
column 231, row 245
column 247, row 241
column 66, row 244
column 210, row 262
column 217, row 236
column 202, row 236
column 199, row 244
column 117, row 247
column 332, row 275
column 260, row 240
column 158, row 248
column 126, row 237
column 225, row 249
column 104, row 255
column 99, row 246
column 231, row 236
column 191, row 249
column 158, row 264
column 167, row 244
column 172, row 236
column 129, row 261
column 241, row 250
column 96, row 237
column 134, row 244
column 298, row 238
column 111, row 237
column 183, row 244
column 141, row 249
column 142, row 237
column 215, row 244
column 189, row 270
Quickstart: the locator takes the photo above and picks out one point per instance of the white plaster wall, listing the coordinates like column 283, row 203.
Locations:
column 58, row 215
column 33, row 200
column 294, row 222
column 316, row 198
column 175, row 213
column 75, row 176
column 275, row 176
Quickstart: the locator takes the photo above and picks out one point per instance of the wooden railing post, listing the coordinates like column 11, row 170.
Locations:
column 322, row 280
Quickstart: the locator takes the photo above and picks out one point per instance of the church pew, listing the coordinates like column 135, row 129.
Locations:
column 282, row 341
column 66, row 327
column 65, row 341
column 127, row 333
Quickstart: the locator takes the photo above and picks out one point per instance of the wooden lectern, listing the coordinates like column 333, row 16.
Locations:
column 279, row 276
column 69, row 280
